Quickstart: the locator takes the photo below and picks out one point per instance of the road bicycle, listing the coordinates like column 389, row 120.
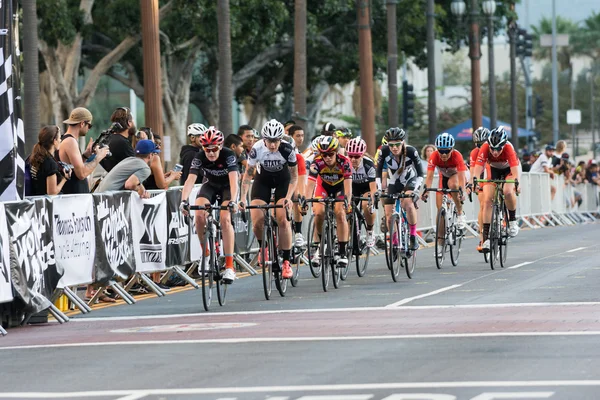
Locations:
column 397, row 251
column 328, row 245
column 357, row 246
column 498, row 235
column 212, row 263
column 448, row 236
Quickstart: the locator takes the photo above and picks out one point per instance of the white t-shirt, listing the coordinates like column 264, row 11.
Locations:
column 539, row 164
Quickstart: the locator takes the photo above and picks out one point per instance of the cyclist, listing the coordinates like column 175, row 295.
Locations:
column 277, row 167
column 504, row 164
column 480, row 136
column 403, row 173
column 220, row 170
column 331, row 174
column 363, row 180
column 343, row 135
column 452, row 167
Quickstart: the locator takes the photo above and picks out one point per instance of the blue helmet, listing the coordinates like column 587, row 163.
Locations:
column 444, row 141
column 498, row 138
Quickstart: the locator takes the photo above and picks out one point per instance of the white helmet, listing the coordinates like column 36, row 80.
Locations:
column 195, row 129
column 314, row 143
column 273, row 129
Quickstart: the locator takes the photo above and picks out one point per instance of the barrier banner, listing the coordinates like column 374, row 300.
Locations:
column 178, row 248
column 114, row 244
column 74, row 238
column 36, row 274
column 5, row 280
column 149, row 229
column 242, row 232
column 195, row 250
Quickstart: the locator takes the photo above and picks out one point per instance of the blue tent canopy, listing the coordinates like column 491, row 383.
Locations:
column 464, row 131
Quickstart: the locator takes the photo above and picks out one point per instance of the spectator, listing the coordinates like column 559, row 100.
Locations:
column 544, row 164
column 561, row 146
column 426, row 152
column 46, row 178
column 246, row 133
column 78, row 125
column 119, row 142
column 592, row 174
column 131, row 172
column 288, row 125
column 579, row 175
column 158, row 179
column 297, row 133
column 189, row 151
column 234, row 142
column 526, row 161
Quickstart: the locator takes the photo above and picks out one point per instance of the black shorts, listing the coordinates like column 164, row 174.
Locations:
column 261, row 190
column 500, row 173
column 445, row 182
column 210, row 192
column 398, row 187
column 358, row 189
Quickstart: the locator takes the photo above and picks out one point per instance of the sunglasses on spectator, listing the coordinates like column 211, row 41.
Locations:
column 210, row 149
column 88, row 124
column 444, row 151
column 398, row 144
column 355, row 156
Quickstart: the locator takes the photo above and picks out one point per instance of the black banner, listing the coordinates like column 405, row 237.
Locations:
column 178, row 243
column 34, row 271
column 114, row 242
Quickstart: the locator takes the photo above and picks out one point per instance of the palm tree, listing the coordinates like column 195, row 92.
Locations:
column 587, row 41
column 31, row 106
column 564, row 53
column 300, row 61
column 225, row 69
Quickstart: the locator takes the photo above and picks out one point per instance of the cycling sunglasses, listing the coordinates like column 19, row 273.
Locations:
column 444, row 151
column 399, row 144
column 354, row 156
column 210, row 149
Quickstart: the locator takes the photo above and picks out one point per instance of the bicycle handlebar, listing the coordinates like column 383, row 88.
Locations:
column 266, row 208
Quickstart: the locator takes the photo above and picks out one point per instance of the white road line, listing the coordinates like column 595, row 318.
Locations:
column 409, row 299
column 574, row 250
column 300, row 388
column 302, row 339
column 521, row 265
column 134, row 396
column 513, row 395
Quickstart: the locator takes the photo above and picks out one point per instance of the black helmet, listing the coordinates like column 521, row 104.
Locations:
column 481, row 134
column 498, row 138
column 395, row 134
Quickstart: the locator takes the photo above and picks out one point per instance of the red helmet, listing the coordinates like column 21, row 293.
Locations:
column 212, row 137
column 356, row 146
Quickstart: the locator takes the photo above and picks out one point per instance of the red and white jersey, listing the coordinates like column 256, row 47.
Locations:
column 507, row 159
column 447, row 168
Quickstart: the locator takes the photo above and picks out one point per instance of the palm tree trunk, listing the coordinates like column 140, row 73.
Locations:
column 300, row 62
column 225, row 69
column 31, row 109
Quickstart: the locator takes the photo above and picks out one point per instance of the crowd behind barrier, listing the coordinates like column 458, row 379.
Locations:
column 50, row 244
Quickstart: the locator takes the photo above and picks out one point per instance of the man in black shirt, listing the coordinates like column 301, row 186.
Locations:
column 189, row 151
column 119, row 143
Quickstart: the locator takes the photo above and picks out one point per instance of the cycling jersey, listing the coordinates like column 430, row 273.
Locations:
column 331, row 179
column 447, row 168
column 215, row 172
column 507, row 159
column 272, row 163
column 408, row 168
column 362, row 176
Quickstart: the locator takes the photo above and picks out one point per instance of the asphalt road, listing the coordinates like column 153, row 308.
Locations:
column 529, row 331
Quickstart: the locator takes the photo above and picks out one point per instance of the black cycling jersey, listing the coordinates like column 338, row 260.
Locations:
column 215, row 172
column 407, row 168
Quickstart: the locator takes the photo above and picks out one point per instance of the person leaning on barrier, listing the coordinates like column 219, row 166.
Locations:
column 158, row 178
column 47, row 177
column 120, row 141
column 592, row 175
column 189, row 151
column 78, row 125
column 132, row 171
column 544, row 164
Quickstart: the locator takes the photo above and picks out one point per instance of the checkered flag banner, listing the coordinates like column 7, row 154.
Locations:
column 12, row 142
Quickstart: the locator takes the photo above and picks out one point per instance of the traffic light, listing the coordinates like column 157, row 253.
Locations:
column 539, row 105
column 524, row 43
column 408, row 105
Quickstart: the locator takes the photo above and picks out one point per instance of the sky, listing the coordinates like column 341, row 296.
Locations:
column 576, row 10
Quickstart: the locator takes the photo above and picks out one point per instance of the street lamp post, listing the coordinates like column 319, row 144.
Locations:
column 458, row 8
column 489, row 8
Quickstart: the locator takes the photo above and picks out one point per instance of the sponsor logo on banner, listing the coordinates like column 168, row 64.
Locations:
column 150, row 246
column 178, row 233
column 115, row 231
column 5, row 280
column 149, row 228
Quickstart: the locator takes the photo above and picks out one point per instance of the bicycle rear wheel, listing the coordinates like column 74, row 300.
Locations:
column 393, row 247
column 326, row 251
column 440, row 235
column 297, row 254
column 208, row 269
column 267, row 264
column 315, row 270
column 494, row 237
column 456, row 236
column 343, row 272
column 504, row 238
column 361, row 249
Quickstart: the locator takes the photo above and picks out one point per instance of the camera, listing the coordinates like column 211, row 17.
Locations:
column 64, row 168
column 102, row 140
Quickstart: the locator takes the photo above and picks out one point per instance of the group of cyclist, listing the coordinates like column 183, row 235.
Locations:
column 338, row 166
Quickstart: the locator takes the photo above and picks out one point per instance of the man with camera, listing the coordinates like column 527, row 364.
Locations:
column 132, row 171
column 79, row 124
column 121, row 130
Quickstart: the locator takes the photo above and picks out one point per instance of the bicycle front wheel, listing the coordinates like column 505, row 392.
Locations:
column 455, row 241
column 504, row 238
column 410, row 264
column 393, row 247
column 440, row 236
column 494, row 237
column 267, row 270
column 326, row 251
column 297, row 254
column 208, row 268
column 315, row 270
